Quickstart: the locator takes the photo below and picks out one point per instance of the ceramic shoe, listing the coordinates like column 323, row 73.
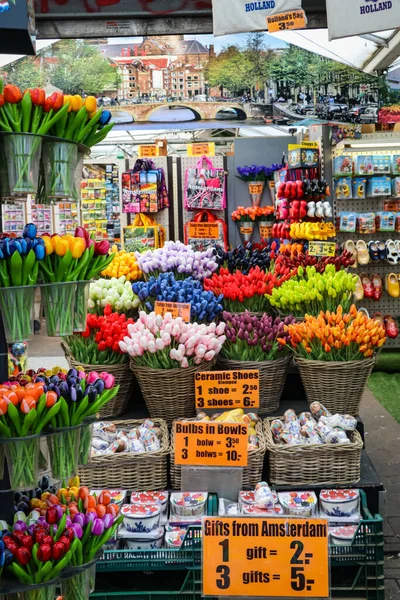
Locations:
column 392, row 285
column 378, row 317
column 363, row 257
column 311, row 209
column 363, row 311
column 392, row 254
column 367, row 285
column 303, row 209
column 392, row 330
column 378, row 286
column 327, row 209
column 359, row 291
column 319, row 211
column 381, row 250
column 373, row 250
column 350, row 246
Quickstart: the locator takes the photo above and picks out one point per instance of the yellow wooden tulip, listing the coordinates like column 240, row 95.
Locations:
column 79, row 248
column 48, row 245
column 91, row 104
column 76, row 102
column 62, row 247
column 67, row 99
column 54, row 239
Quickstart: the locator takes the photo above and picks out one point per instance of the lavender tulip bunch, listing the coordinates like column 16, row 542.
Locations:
column 254, row 339
column 179, row 259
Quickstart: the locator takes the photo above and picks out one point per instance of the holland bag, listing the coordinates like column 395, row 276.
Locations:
column 242, row 16
column 205, row 186
column 206, row 230
column 144, row 234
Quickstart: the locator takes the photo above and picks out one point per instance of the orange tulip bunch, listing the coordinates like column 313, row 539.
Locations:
column 334, row 336
column 252, row 213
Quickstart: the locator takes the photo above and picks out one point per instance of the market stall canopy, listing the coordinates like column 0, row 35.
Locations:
column 371, row 53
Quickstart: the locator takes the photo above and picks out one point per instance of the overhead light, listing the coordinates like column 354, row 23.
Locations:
column 367, row 145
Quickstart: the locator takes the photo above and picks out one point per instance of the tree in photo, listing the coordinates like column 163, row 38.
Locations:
column 79, row 68
column 29, row 72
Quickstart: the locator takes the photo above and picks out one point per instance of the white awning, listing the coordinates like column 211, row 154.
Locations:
column 371, row 53
column 6, row 59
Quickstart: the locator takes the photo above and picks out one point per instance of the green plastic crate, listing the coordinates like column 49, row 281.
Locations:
column 368, row 543
column 188, row 556
column 366, row 581
column 190, row 589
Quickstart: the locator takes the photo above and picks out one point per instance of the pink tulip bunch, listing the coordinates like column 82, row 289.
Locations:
column 167, row 343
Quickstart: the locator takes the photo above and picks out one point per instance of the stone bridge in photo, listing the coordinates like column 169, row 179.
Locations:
column 203, row 111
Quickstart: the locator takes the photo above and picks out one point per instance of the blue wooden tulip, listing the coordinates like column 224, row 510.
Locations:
column 30, row 231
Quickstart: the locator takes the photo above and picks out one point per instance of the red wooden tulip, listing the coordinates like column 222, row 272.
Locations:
column 38, row 96
column 12, row 94
column 23, row 556
column 44, row 552
column 58, row 551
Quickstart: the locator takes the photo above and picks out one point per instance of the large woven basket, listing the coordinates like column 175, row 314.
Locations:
column 169, row 393
column 146, row 471
column 123, row 377
column 252, row 474
column 324, row 464
column 272, row 379
column 338, row 385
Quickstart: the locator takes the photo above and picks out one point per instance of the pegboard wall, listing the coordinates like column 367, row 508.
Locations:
column 387, row 305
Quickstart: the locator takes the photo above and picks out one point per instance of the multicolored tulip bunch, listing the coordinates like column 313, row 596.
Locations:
column 116, row 293
column 179, row 259
column 204, row 306
column 244, row 257
column 335, row 336
column 74, row 257
column 99, row 343
column 309, row 292
column 254, row 338
column 166, row 343
column 69, row 117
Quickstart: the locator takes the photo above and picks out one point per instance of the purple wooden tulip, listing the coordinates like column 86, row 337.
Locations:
column 68, row 522
column 79, row 519
column 72, row 394
column 77, row 530
column 108, row 521
column 91, row 516
column 20, row 526
column 31, row 529
column 42, row 521
column 97, row 527
column 59, row 511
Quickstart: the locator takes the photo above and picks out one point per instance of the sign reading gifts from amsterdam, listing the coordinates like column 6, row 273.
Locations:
column 265, row 557
column 316, row 248
column 227, row 389
column 238, row 16
column 177, row 309
column 211, row 444
column 356, row 17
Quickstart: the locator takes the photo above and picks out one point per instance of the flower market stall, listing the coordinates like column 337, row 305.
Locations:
column 204, row 382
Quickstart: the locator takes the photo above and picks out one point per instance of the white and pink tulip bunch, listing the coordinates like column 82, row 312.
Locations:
column 167, row 343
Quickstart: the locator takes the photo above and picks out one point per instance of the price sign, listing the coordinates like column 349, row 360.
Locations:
column 177, row 309
column 285, row 21
column 205, row 149
column 255, row 188
column 265, row 231
column 322, row 248
column 227, row 389
column 209, row 444
column 148, row 151
column 246, row 229
column 208, row 231
column 265, row 557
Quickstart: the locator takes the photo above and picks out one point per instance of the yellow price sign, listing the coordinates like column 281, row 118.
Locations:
column 209, row 231
column 286, row 21
column 201, row 149
column 227, row 389
column 316, row 248
column 148, row 151
column 213, row 444
column 265, row 557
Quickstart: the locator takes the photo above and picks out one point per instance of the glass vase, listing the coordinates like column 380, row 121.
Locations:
column 22, row 152
column 60, row 160
column 59, row 307
column 81, row 305
column 22, row 456
column 63, row 447
column 16, row 306
column 76, row 587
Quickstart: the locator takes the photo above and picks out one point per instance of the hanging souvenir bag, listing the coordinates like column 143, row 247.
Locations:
column 144, row 234
column 206, row 230
column 205, row 186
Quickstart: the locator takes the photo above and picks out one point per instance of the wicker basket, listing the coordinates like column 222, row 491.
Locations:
column 252, row 474
column 338, row 385
column 169, row 393
column 324, row 464
column 146, row 471
column 272, row 379
column 123, row 377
